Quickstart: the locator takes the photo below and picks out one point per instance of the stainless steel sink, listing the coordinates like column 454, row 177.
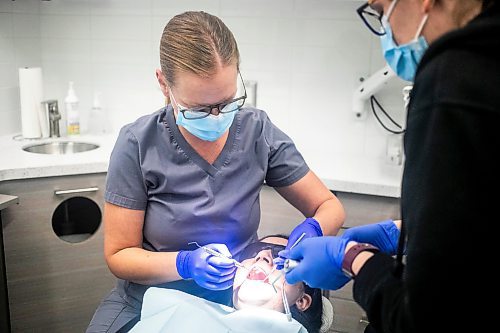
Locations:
column 60, row 147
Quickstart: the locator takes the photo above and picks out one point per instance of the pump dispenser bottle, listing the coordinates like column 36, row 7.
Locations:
column 72, row 113
column 98, row 122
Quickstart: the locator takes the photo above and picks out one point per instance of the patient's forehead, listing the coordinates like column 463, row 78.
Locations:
column 275, row 240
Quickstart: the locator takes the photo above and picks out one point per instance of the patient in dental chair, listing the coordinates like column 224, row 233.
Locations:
column 257, row 300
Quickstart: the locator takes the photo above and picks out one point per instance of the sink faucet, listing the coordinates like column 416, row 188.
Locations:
column 54, row 117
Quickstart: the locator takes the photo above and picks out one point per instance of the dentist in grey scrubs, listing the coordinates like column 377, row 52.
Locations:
column 192, row 172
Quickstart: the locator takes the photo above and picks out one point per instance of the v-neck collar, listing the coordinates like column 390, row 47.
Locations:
column 191, row 153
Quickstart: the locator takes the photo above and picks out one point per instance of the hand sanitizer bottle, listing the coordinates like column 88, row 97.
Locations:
column 72, row 114
column 98, row 121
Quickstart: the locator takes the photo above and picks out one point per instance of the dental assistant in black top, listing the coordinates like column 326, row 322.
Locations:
column 440, row 279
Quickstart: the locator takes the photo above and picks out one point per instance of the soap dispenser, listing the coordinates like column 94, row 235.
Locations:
column 72, row 113
column 98, row 122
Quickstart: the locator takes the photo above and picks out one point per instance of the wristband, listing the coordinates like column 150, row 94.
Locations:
column 352, row 253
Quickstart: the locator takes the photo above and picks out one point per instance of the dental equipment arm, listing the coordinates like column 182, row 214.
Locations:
column 369, row 87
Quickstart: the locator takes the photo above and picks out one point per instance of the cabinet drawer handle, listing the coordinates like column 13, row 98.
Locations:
column 78, row 190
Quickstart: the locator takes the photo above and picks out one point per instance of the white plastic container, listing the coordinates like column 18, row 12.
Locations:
column 98, row 120
column 72, row 113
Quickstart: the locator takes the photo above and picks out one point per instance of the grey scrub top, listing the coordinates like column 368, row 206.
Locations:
column 153, row 168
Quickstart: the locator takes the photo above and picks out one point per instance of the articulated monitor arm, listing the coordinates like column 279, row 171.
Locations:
column 369, row 87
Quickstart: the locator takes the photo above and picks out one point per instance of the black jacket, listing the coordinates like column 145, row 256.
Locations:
column 449, row 201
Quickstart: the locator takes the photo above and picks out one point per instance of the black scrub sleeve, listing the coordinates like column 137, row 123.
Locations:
column 379, row 292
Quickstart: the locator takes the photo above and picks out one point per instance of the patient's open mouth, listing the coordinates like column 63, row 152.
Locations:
column 257, row 273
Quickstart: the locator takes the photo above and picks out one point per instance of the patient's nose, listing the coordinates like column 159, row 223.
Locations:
column 266, row 256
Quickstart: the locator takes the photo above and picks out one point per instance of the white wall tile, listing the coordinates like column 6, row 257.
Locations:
column 265, row 57
column 123, row 77
column 377, row 57
column 120, row 27
column 65, row 26
column 349, row 35
column 349, row 139
column 328, row 9
column 120, row 7
column 26, row 25
column 5, row 25
column 257, row 8
column 10, row 99
column 10, row 121
column 5, row 6
column 324, row 104
column 334, row 63
column 278, row 110
column 27, row 52
column 376, row 145
column 26, row 6
column 274, row 83
column 126, row 108
column 66, row 7
column 273, row 93
column 158, row 23
column 161, row 7
column 8, row 76
column 155, row 55
column 6, row 50
column 65, row 50
column 121, row 52
column 256, row 30
column 55, row 72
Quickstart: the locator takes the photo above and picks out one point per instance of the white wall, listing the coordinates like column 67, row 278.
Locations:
column 19, row 47
column 306, row 55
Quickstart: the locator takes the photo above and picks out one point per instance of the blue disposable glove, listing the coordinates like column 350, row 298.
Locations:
column 320, row 262
column 384, row 235
column 310, row 227
column 208, row 271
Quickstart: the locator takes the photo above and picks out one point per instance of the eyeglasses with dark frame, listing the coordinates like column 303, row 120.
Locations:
column 371, row 18
column 203, row 111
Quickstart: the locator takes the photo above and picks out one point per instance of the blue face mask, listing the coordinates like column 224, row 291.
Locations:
column 403, row 59
column 209, row 128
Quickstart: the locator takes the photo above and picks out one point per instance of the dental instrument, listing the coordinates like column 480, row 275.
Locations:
column 290, row 263
column 285, row 303
column 218, row 254
column 267, row 278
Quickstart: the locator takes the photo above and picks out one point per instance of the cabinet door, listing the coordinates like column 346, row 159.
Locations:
column 348, row 317
column 55, row 281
